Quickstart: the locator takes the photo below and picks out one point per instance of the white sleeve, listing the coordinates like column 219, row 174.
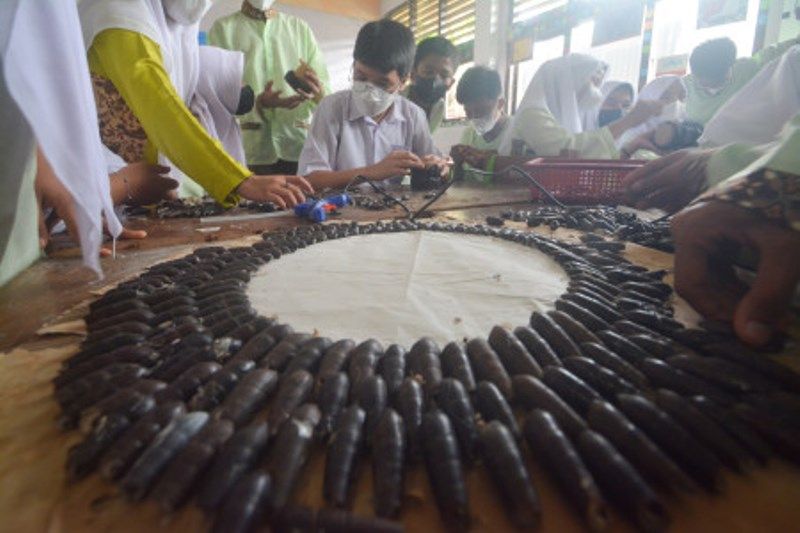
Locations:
column 319, row 150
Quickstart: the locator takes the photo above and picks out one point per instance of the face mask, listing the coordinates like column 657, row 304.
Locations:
column 263, row 5
column 186, row 12
column 429, row 89
column 485, row 124
column 592, row 97
column 607, row 116
column 370, row 99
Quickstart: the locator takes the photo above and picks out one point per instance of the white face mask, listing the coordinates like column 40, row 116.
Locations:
column 484, row 125
column 263, row 5
column 186, row 12
column 371, row 99
column 591, row 97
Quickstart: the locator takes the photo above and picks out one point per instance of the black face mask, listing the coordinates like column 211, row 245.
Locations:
column 428, row 90
column 607, row 116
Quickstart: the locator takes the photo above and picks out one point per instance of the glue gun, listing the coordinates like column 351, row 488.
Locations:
column 318, row 210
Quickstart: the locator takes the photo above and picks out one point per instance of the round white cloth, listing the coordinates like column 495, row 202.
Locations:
column 398, row 287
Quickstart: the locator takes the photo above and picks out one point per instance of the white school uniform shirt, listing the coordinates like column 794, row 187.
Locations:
column 343, row 138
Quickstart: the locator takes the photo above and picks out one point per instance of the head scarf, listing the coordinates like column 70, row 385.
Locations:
column 218, row 90
column 556, row 87
column 759, row 111
column 50, row 86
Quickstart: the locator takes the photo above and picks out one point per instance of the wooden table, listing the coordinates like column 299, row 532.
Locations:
column 34, row 493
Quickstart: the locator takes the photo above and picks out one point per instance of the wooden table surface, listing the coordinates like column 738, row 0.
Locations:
column 34, row 493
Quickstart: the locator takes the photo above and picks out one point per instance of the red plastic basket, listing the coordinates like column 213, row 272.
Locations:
column 581, row 181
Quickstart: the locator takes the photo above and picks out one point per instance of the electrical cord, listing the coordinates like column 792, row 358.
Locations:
column 363, row 179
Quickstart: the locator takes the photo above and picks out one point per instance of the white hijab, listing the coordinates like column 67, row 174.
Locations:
column 655, row 90
column 592, row 121
column 556, row 85
column 218, row 91
column 50, row 85
column 759, row 111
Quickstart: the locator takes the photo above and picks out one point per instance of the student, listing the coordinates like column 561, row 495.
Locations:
column 717, row 75
column 553, row 118
column 144, row 58
column 480, row 92
column 371, row 130
column 274, row 43
column 758, row 112
column 435, row 65
column 45, row 95
column 618, row 97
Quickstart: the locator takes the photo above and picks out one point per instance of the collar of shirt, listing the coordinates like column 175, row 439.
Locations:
column 395, row 113
column 254, row 13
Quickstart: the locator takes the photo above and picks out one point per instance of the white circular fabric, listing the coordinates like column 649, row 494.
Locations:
column 398, row 287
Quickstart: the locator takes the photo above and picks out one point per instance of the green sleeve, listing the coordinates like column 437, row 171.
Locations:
column 736, row 159
column 543, row 135
column 765, row 55
column 133, row 64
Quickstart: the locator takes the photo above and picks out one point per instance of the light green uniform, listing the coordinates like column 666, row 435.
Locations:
column 272, row 48
column 19, row 224
column 701, row 106
column 545, row 137
column 472, row 138
column 735, row 160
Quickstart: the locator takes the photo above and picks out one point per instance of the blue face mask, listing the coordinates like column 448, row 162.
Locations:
column 607, row 116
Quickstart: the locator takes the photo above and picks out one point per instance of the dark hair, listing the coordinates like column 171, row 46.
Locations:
column 479, row 83
column 436, row 46
column 385, row 45
column 713, row 59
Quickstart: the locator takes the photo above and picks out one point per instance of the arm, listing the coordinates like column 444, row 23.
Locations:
column 547, row 138
column 133, row 64
column 765, row 55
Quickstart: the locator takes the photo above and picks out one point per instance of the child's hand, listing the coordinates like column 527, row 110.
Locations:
column 142, row 184
column 471, row 155
column 271, row 99
column 437, row 161
column 398, row 163
column 283, row 191
column 309, row 75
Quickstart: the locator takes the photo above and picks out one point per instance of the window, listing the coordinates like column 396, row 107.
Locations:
column 623, row 57
column 542, row 51
column 454, row 19
column 676, row 32
column 454, row 110
column 525, row 10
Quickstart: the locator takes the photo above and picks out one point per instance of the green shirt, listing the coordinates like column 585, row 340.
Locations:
column 22, row 247
column 736, row 160
column 272, row 48
column 701, row 106
column 546, row 137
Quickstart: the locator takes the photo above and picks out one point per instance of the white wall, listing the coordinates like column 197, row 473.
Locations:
column 335, row 34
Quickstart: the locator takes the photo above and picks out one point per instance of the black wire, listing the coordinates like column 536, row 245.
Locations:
column 433, row 200
column 379, row 190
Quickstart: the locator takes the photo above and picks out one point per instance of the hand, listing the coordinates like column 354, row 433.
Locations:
column 398, row 163
column 283, row 191
column 643, row 111
column 470, row 155
column 309, row 75
column 669, row 183
column 270, row 99
column 142, row 184
column 642, row 142
column 51, row 193
column 706, row 236
column 441, row 162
